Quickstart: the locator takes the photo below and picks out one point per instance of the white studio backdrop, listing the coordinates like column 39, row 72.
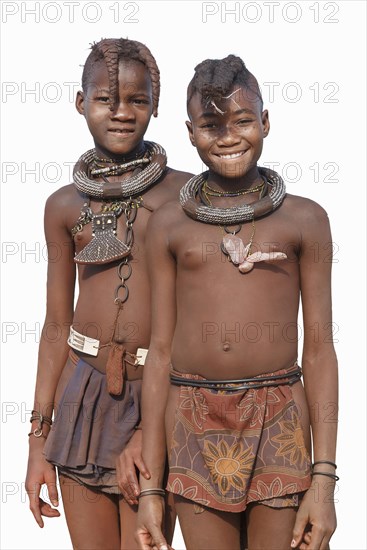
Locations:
column 309, row 58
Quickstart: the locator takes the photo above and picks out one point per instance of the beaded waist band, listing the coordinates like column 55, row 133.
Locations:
column 287, row 377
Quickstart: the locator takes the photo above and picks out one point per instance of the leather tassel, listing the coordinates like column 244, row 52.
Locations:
column 115, row 369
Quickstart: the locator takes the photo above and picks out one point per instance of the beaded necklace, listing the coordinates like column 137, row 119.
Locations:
column 118, row 198
column 232, row 245
column 235, row 214
column 155, row 159
column 105, row 247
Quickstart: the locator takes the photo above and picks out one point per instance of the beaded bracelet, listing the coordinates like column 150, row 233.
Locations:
column 325, row 462
column 153, row 491
column 332, row 476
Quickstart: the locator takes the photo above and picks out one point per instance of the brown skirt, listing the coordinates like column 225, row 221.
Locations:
column 92, row 427
column 231, row 448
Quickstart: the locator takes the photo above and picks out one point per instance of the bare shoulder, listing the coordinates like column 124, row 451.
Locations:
column 167, row 188
column 64, row 197
column 177, row 177
column 167, row 217
column 305, row 211
column 63, row 206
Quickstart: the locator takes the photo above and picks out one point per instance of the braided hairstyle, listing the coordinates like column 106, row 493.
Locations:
column 112, row 50
column 214, row 78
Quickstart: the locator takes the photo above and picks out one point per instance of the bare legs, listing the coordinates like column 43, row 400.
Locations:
column 267, row 528
column 97, row 521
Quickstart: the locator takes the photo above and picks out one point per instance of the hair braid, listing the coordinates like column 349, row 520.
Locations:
column 214, row 78
column 152, row 67
column 112, row 50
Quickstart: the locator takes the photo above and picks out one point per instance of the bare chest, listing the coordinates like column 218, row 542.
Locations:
column 198, row 246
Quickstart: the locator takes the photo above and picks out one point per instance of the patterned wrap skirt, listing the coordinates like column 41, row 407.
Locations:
column 231, row 448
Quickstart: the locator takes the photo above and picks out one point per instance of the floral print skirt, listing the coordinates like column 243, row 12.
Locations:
column 231, row 448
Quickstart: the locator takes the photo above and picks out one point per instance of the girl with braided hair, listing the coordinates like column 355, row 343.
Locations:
column 91, row 356
column 222, row 386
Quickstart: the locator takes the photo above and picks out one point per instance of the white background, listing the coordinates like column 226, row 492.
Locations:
column 317, row 46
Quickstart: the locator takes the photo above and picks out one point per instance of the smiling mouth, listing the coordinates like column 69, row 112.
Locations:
column 230, row 156
column 121, row 131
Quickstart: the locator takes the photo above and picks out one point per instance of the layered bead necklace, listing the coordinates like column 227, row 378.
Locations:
column 204, row 211
column 122, row 197
column 105, row 247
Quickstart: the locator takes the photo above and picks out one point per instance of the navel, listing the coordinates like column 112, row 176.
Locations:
column 226, row 346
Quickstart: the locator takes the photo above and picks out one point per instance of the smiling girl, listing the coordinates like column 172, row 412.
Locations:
column 222, row 382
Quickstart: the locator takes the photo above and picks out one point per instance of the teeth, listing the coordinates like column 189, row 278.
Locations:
column 233, row 156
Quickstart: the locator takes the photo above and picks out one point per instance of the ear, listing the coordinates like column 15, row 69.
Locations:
column 79, row 102
column 265, row 122
column 191, row 133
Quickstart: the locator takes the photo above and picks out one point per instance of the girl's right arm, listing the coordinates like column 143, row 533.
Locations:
column 53, row 350
column 156, row 382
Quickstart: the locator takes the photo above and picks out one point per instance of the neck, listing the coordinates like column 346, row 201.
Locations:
column 222, row 183
column 106, row 157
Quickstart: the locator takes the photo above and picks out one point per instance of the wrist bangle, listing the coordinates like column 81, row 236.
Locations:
column 332, row 476
column 153, row 491
column 325, row 462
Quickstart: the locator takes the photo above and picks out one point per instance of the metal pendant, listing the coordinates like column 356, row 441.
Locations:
column 105, row 247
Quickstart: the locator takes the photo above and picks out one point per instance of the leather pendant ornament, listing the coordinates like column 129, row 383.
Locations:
column 105, row 247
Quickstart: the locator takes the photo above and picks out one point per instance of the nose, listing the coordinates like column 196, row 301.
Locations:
column 122, row 111
column 228, row 137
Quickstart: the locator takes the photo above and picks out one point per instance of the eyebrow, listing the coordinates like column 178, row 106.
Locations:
column 100, row 90
column 210, row 114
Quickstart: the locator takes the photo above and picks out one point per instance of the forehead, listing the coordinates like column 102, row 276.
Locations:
column 237, row 99
column 131, row 73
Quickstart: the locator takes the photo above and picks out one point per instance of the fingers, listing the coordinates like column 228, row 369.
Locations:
column 127, row 476
column 50, row 480
column 139, row 463
column 34, row 503
column 47, row 510
column 158, row 538
column 317, row 539
column 305, row 545
column 152, row 539
column 299, row 529
column 127, row 480
column 130, row 491
column 37, row 505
